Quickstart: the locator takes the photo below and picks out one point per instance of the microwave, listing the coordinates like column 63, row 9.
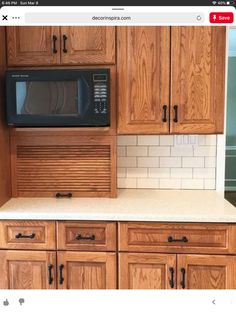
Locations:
column 63, row 97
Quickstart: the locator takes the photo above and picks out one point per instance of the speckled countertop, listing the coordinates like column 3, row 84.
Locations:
column 130, row 205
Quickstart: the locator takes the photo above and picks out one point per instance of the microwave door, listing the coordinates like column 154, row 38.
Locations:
column 84, row 101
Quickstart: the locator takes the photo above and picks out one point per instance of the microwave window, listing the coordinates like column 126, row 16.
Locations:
column 52, row 98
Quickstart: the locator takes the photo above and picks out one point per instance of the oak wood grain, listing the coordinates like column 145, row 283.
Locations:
column 146, row 271
column 27, row 269
column 198, row 78
column 207, row 272
column 143, row 67
column 5, row 177
column 32, row 45
column 87, row 270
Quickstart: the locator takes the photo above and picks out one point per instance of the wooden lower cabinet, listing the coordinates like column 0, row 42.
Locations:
column 147, row 271
column 27, row 270
column 206, row 271
column 86, row 270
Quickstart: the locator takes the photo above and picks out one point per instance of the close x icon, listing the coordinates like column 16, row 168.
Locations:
column 4, row 17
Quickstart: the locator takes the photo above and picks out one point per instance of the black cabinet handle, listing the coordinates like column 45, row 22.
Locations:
column 61, row 278
column 54, row 39
column 50, row 278
column 164, row 119
column 25, row 236
column 182, row 282
column 175, row 114
column 171, row 239
column 61, row 195
column 64, row 43
column 171, row 281
column 80, row 237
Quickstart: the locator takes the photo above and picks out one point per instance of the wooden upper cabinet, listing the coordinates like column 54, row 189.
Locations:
column 88, row 45
column 54, row 45
column 27, row 270
column 143, row 79
column 147, row 271
column 198, row 75
column 206, row 272
column 33, row 45
column 86, row 270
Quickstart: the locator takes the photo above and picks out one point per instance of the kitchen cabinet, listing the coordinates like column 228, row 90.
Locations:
column 192, row 59
column 86, row 270
column 54, row 45
column 27, row 269
column 147, row 271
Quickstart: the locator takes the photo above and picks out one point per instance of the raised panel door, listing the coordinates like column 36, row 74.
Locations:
column 147, row 271
column 88, row 45
column 198, row 76
column 27, row 270
column 143, row 79
column 86, row 270
column 206, row 272
column 33, row 45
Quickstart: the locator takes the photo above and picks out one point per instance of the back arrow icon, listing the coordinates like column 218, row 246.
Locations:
column 214, row 302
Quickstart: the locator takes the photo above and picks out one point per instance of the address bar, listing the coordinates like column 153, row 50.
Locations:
column 114, row 18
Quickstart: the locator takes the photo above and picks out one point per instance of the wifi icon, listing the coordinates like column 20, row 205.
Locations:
column 214, row 2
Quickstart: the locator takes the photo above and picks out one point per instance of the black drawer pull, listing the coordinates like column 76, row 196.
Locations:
column 176, row 114
column 25, row 236
column 61, row 278
column 50, row 278
column 65, row 195
column 182, row 282
column 64, row 43
column 171, row 239
column 80, row 237
column 171, row 281
column 54, row 39
column 164, row 119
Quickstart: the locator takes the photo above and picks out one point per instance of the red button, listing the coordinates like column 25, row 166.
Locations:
column 221, row 17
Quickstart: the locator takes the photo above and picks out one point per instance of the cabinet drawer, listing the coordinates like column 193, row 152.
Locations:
column 38, row 235
column 177, row 237
column 87, row 236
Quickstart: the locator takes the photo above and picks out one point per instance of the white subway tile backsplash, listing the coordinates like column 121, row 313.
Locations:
column 166, row 140
column 126, row 140
column 204, row 173
column 137, row 172
column 126, row 162
column 159, row 172
column 159, row 151
column 192, row 162
column 166, row 161
column 193, row 184
column 121, row 151
column 126, row 183
column 149, row 162
column 170, row 162
column 181, row 172
column 182, row 151
column 205, row 151
column 170, row 183
column 148, row 183
column 148, row 140
column 137, row 151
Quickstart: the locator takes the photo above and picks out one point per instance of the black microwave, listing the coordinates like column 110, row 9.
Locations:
column 78, row 97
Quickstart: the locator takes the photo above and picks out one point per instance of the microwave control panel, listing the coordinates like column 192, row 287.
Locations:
column 100, row 86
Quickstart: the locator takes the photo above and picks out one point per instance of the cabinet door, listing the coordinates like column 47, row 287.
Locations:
column 86, row 270
column 206, row 271
column 198, row 75
column 33, row 45
column 88, row 45
column 143, row 79
column 147, row 271
column 27, row 270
